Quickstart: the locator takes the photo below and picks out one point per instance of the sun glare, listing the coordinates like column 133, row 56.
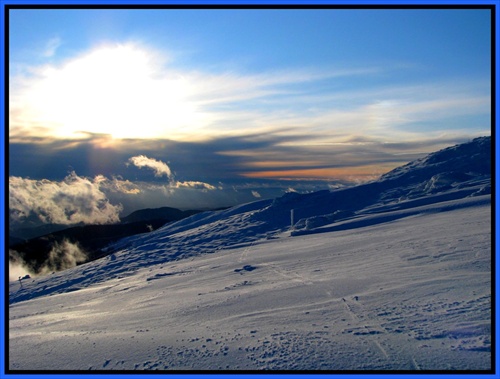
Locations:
column 117, row 90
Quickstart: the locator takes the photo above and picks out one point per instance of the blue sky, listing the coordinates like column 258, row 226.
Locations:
column 238, row 104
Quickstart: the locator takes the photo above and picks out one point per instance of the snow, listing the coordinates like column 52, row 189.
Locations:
column 393, row 275
column 409, row 292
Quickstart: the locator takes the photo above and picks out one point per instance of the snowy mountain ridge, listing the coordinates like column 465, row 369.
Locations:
column 471, row 158
column 455, row 172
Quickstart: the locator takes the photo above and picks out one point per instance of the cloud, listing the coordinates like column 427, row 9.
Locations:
column 277, row 155
column 119, row 185
column 256, row 194
column 128, row 88
column 194, row 185
column 73, row 200
column 51, row 47
column 17, row 266
column 62, row 256
column 160, row 168
column 136, row 94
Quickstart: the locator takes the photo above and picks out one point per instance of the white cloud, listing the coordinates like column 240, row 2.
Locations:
column 118, row 89
column 194, row 185
column 51, row 47
column 72, row 200
column 160, row 168
column 128, row 91
column 17, row 266
column 118, row 185
column 256, row 194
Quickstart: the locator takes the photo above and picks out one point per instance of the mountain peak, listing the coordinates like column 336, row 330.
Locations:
column 472, row 157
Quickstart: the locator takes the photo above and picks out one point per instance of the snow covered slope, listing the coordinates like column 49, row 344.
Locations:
column 409, row 294
column 391, row 275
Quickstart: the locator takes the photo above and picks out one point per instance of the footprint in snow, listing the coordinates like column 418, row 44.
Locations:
column 245, row 268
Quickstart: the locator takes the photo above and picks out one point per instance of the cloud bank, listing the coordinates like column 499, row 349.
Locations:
column 302, row 118
column 79, row 199
column 73, row 200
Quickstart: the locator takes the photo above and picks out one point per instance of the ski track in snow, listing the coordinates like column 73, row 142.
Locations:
column 412, row 293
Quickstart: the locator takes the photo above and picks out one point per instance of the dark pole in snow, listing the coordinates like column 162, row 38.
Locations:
column 20, row 282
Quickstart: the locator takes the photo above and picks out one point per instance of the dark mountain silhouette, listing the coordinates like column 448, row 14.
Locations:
column 164, row 213
column 168, row 214
column 18, row 235
column 90, row 239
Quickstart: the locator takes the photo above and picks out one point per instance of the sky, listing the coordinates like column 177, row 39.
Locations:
column 111, row 111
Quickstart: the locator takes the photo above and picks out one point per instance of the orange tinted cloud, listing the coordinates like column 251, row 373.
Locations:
column 355, row 174
column 283, row 164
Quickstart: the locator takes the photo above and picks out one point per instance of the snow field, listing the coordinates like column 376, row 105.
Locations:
column 412, row 292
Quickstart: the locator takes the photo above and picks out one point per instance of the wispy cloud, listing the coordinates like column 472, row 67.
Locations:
column 194, row 185
column 51, row 47
column 117, row 185
column 17, row 266
column 62, row 256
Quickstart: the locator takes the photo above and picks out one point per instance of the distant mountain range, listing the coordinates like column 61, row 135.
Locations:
column 164, row 213
column 168, row 214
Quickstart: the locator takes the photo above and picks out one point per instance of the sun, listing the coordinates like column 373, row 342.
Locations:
column 121, row 90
